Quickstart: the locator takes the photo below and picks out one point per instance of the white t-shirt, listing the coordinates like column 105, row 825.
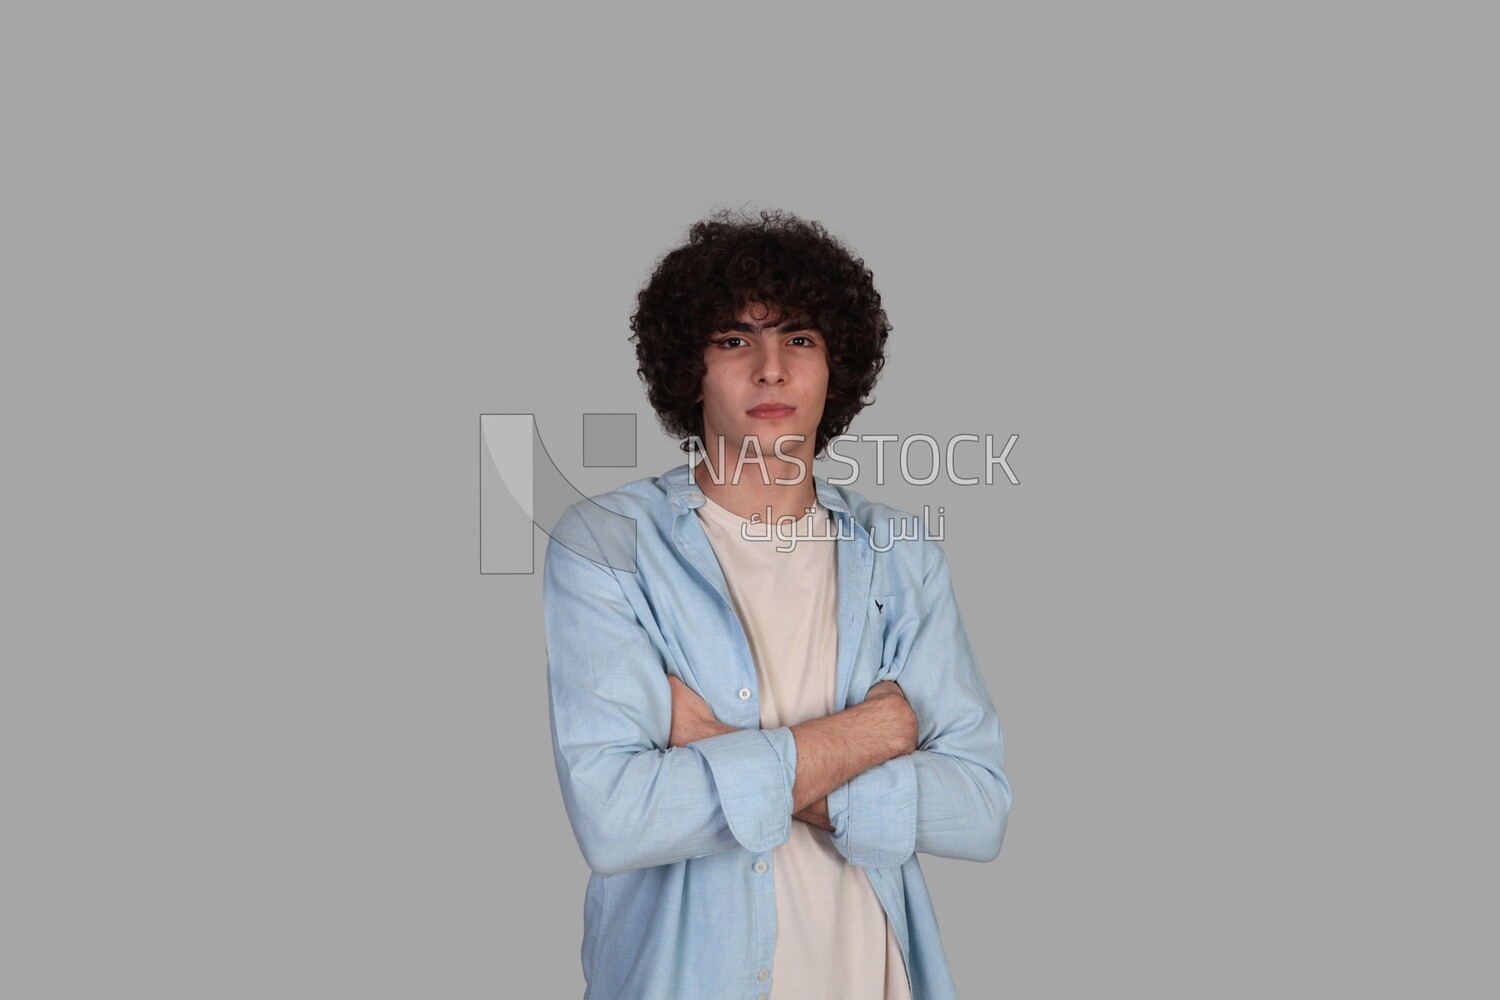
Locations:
column 833, row 939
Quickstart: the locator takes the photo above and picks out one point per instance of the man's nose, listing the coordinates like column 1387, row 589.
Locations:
column 771, row 367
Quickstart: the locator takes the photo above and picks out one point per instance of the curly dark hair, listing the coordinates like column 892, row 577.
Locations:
column 732, row 259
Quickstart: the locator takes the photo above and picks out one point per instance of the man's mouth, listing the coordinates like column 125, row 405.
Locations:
column 771, row 410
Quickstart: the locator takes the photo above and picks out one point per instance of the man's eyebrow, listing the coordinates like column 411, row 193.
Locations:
column 790, row 326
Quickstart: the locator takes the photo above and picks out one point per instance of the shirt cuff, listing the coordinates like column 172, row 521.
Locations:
column 874, row 815
column 754, row 771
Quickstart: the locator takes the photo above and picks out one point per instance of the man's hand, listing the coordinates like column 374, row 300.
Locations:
column 906, row 718
column 692, row 719
column 816, row 815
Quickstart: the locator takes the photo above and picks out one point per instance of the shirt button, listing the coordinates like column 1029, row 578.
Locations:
column 697, row 496
column 744, row 694
column 761, row 997
column 765, row 974
column 760, row 867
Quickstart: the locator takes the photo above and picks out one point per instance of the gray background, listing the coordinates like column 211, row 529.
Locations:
column 1226, row 271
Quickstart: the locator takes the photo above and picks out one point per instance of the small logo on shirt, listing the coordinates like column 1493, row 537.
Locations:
column 880, row 606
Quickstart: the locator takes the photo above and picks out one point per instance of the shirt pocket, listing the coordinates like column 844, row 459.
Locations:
column 894, row 618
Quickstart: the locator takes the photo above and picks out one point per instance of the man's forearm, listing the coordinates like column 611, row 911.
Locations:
column 830, row 750
column 835, row 748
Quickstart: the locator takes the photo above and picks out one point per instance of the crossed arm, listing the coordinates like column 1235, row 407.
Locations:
column 830, row 750
column 649, row 778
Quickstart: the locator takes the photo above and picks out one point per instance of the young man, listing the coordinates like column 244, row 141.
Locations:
column 763, row 700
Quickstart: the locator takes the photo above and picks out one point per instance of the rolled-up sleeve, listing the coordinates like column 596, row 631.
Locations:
column 951, row 797
column 633, row 800
column 754, row 772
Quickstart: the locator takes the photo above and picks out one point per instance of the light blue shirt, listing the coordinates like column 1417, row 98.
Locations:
column 681, row 902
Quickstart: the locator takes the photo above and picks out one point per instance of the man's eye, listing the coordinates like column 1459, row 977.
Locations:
column 723, row 341
column 809, row 340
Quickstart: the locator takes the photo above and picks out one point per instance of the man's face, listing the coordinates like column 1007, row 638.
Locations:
column 753, row 365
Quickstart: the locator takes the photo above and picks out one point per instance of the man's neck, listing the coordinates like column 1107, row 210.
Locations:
column 751, row 496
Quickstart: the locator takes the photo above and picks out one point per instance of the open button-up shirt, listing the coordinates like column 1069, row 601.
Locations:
column 681, row 902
